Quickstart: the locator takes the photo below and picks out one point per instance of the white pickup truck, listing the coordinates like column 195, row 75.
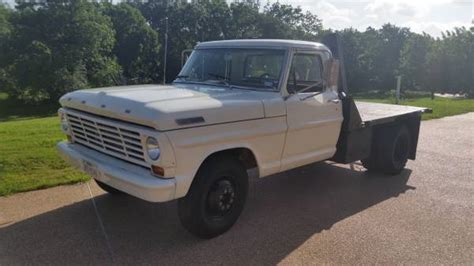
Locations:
column 237, row 105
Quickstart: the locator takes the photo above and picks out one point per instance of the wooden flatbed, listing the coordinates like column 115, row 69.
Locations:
column 379, row 113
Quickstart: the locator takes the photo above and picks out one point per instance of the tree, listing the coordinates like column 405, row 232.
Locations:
column 244, row 22
column 188, row 24
column 358, row 58
column 457, row 50
column 414, row 61
column 449, row 66
column 287, row 22
column 5, row 26
column 5, row 33
column 204, row 20
column 51, row 47
column 137, row 46
column 390, row 42
column 59, row 46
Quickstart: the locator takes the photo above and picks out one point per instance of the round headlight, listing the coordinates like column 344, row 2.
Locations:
column 152, row 148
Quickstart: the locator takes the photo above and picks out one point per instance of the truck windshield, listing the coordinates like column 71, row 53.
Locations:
column 250, row 68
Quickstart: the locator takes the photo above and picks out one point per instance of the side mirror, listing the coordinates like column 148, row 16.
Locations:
column 332, row 74
column 185, row 56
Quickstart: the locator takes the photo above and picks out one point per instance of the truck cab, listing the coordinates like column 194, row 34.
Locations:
column 290, row 77
column 237, row 106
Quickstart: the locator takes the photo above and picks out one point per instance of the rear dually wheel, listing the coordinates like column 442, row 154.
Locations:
column 390, row 152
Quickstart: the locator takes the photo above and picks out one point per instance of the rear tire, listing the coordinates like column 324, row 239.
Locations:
column 108, row 188
column 216, row 198
column 390, row 152
column 394, row 151
column 370, row 164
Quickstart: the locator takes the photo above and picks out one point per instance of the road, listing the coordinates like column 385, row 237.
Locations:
column 322, row 213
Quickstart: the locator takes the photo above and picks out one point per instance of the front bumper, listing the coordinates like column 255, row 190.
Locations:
column 129, row 178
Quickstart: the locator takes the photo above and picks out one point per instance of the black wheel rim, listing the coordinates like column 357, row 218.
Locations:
column 400, row 154
column 221, row 198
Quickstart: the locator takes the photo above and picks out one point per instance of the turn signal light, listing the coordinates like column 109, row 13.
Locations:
column 159, row 171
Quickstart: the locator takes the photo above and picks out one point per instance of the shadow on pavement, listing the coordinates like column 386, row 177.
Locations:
column 282, row 212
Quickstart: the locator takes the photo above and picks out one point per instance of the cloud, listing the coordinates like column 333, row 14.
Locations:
column 434, row 28
column 332, row 16
column 430, row 16
column 336, row 17
column 385, row 9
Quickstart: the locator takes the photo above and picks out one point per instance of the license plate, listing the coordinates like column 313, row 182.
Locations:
column 90, row 169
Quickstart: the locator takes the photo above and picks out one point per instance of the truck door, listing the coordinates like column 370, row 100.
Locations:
column 314, row 112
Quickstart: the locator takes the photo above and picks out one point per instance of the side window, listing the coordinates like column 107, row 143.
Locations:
column 306, row 73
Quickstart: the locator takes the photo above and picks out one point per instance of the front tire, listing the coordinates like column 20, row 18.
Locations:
column 216, row 198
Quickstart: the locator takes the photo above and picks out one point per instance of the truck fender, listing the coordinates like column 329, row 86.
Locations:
column 184, row 180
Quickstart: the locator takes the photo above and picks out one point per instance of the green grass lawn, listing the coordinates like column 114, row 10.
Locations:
column 28, row 157
column 441, row 106
column 29, row 160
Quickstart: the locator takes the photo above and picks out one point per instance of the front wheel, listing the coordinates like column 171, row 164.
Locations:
column 216, row 198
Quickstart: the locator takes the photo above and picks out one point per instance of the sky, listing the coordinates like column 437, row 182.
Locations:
column 430, row 16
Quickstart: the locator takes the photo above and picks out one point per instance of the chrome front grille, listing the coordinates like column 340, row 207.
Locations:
column 106, row 136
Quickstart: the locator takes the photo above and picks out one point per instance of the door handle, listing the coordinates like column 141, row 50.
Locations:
column 334, row 101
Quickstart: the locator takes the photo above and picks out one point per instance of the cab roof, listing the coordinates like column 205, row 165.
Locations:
column 263, row 43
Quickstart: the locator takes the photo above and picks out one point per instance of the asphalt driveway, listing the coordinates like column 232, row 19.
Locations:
column 322, row 213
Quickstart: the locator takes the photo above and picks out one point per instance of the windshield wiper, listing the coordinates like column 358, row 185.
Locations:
column 182, row 76
column 220, row 78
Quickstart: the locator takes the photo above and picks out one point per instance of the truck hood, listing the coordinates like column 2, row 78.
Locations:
column 167, row 107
